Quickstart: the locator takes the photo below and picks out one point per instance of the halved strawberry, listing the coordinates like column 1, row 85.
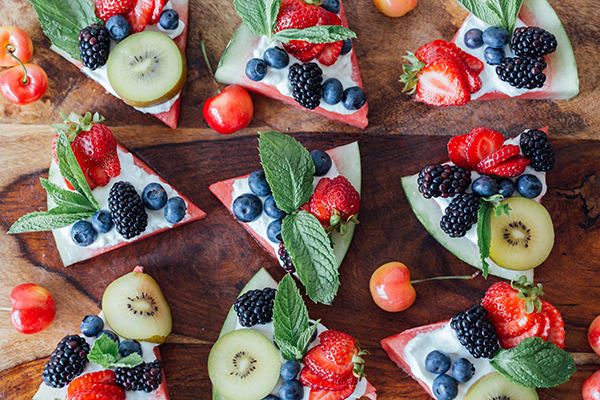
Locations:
column 330, row 53
column 512, row 167
column 503, row 153
column 340, row 347
column 557, row 325
column 545, row 332
column 158, row 7
column 310, row 379
column 442, row 83
column 309, row 53
column 481, row 143
column 141, row 14
column 106, row 376
column 472, row 62
column 317, row 207
column 507, row 311
column 98, row 391
column 332, row 394
column 457, row 151
column 299, row 15
column 508, row 342
column 109, row 8
column 319, row 362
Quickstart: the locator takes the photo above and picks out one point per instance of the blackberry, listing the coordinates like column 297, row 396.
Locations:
column 146, row 376
column 437, row 180
column 255, row 307
column 460, row 215
column 532, row 41
column 127, row 210
column 306, row 80
column 66, row 361
column 535, row 146
column 476, row 332
column 94, row 45
column 522, row 72
column 286, row 260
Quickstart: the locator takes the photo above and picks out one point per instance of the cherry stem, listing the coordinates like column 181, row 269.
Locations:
column 11, row 50
column 5, row 309
column 440, row 278
column 203, row 47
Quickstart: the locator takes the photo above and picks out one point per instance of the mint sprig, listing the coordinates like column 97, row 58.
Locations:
column 105, row 352
column 535, row 363
column 495, row 12
column 292, row 331
column 316, row 34
column 484, row 227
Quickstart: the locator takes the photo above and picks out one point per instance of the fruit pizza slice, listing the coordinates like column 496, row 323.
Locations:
column 269, row 323
column 133, row 48
column 116, row 357
column 513, row 49
column 484, row 204
column 301, row 207
column 299, row 52
column 101, row 196
column 504, row 347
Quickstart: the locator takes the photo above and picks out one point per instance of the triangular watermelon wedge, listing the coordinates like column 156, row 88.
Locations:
column 562, row 80
column 347, row 162
column 231, row 70
column 136, row 172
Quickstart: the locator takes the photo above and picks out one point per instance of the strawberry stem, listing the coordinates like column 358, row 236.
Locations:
column 10, row 49
column 205, row 55
column 439, row 278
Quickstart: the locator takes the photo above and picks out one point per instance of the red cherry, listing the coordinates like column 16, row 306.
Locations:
column 395, row 8
column 32, row 308
column 230, row 110
column 19, row 40
column 594, row 336
column 591, row 387
column 22, row 90
column 391, row 288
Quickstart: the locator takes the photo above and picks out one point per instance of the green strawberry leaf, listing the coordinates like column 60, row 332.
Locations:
column 290, row 319
column 316, row 34
column 56, row 218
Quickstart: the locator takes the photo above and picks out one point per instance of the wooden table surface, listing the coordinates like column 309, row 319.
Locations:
column 202, row 266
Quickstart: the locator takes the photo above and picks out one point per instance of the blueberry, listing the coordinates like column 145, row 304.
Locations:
column 506, row 187
column 291, row 390
column 322, row 162
column 175, row 210
column 169, row 19
column 473, row 38
column 256, row 69
column 154, row 196
column 271, row 208
column 258, row 183
column 529, row 186
column 91, row 325
column 247, row 207
column 354, row 98
column 102, row 221
column 332, row 91
column 271, row 397
column 276, row 57
column 111, row 335
column 462, row 370
column 346, row 47
column 118, row 27
column 83, row 233
column 129, row 346
column 274, row 231
column 331, row 6
column 495, row 37
column 493, row 56
column 289, row 370
column 437, row 362
column 444, row 387
column 485, row 186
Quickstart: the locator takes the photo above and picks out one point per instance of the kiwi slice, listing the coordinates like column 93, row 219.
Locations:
column 496, row 387
column 147, row 68
column 523, row 239
column 135, row 308
column 244, row 365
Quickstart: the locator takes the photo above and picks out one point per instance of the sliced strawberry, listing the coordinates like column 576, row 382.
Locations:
column 331, row 394
column 158, row 7
column 314, row 381
column 98, row 391
column 109, row 8
column 503, row 153
column 545, row 332
column 106, row 376
column 515, row 327
column 481, row 143
column 442, row 83
column 340, row 347
column 309, row 53
column 557, row 325
column 330, row 53
column 320, row 363
column 457, row 151
column 512, row 167
column 431, row 52
column 507, row 311
column 317, row 207
column 472, row 62
column 141, row 14
column 299, row 15
column 508, row 342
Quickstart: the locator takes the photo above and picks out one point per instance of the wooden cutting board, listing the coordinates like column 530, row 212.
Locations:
column 202, row 266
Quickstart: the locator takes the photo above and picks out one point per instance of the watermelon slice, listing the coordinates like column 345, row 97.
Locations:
column 241, row 48
column 562, row 80
column 347, row 162
column 262, row 279
column 137, row 173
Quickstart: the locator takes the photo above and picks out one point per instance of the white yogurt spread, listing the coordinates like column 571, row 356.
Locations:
column 444, row 340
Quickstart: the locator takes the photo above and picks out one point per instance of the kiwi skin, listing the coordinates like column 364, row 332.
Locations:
column 496, row 387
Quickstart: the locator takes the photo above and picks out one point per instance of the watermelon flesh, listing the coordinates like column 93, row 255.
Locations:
column 241, row 48
column 562, row 81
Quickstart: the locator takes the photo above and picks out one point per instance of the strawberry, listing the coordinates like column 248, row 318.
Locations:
column 296, row 14
column 508, row 342
column 512, row 167
column 106, row 376
column 481, row 143
column 339, row 346
column 557, row 325
column 319, row 361
column 109, row 8
column 140, row 15
column 158, row 7
column 472, row 62
column 342, row 199
column 502, row 154
column 317, row 207
column 457, row 151
column 332, row 394
column 331, row 51
column 442, row 83
column 506, row 310
column 98, row 391
column 314, row 381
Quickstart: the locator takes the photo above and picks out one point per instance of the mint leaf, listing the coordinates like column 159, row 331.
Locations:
column 62, row 20
column 316, row 34
column 535, row 363
column 130, row 361
column 67, row 198
column 484, row 235
column 495, row 12
column 290, row 318
column 479, row 9
column 56, row 218
column 259, row 15
column 312, row 255
column 289, row 169
column 305, row 337
column 105, row 352
column 512, row 7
